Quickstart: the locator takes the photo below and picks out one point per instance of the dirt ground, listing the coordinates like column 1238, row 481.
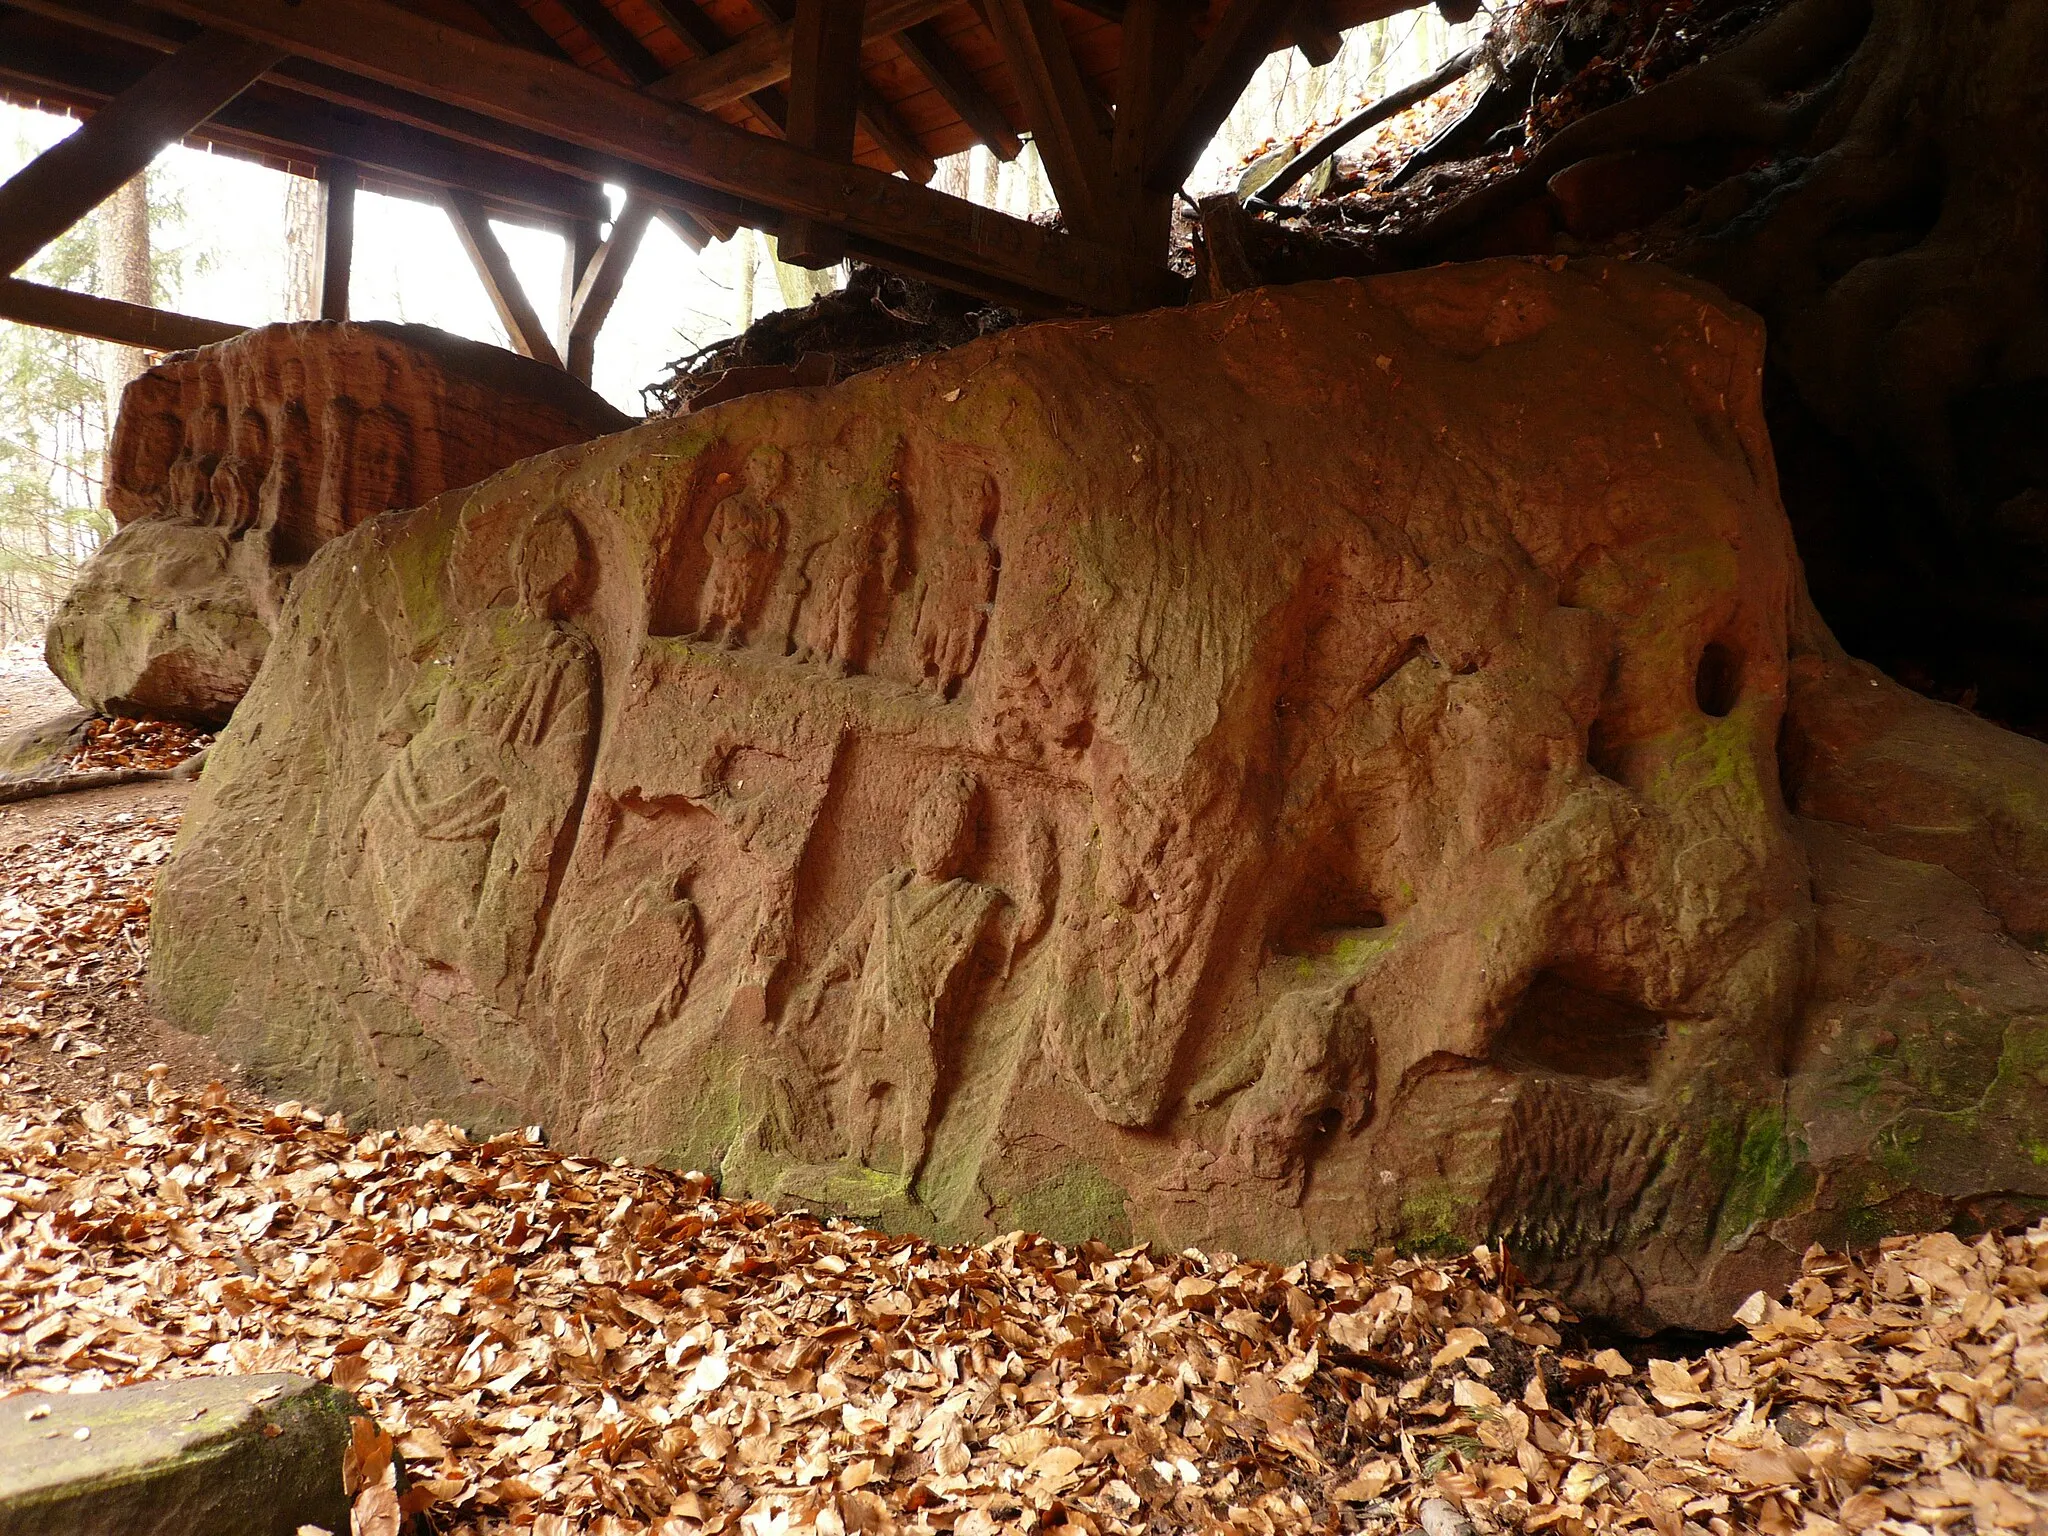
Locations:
column 28, row 693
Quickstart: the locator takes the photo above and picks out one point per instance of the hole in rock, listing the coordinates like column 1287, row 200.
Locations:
column 1559, row 1027
column 1718, row 683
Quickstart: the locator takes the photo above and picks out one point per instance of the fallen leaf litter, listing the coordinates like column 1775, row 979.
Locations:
column 559, row 1344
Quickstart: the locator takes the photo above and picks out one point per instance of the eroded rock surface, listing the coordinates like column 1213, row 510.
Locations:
column 231, row 465
column 1296, row 774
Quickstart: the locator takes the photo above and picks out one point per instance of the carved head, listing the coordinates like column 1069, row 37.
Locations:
column 944, row 824
column 763, row 470
column 549, row 564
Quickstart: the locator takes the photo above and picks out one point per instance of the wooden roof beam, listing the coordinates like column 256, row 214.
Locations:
column 1058, row 107
column 761, row 57
column 283, row 118
column 602, row 280
column 926, row 47
column 84, row 314
column 1236, row 46
column 493, row 265
column 544, row 101
column 76, row 174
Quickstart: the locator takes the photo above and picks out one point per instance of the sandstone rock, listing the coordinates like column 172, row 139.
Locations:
column 230, row 465
column 226, row 1455
column 1295, row 774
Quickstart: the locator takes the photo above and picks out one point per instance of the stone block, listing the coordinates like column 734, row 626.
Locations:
column 222, row 1455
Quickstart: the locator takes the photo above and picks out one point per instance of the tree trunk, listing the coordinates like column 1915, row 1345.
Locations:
column 305, row 240
column 124, row 273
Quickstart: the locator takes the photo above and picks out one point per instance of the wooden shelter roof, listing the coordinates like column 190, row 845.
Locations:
column 788, row 115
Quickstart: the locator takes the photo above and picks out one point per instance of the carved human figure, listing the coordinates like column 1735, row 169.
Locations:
column 957, row 584
column 1307, row 1073
column 236, row 488
column 190, row 481
column 849, row 580
column 627, row 971
column 911, row 953
column 289, row 509
column 382, row 463
column 744, row 539
column 462, row 832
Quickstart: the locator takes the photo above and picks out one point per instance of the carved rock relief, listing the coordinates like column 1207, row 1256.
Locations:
column 229, row 466
column 1296, row 774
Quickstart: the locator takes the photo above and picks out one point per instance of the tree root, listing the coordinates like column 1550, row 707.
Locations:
column 106, row 778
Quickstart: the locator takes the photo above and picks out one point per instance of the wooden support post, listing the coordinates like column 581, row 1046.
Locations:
column 824, row 98
column 1158, row 40
column 602, row 280
column 582, row 239
column 338, row 179
column 75, row 175
column 954, row 81
column 85, row 314
column 1058, row 109
column 494, row 268
column 1236, row 46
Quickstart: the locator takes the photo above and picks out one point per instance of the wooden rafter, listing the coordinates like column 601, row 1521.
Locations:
column 1058, row 108
column 273, row 121
column 523, row 325
column 1235, row 47
column 935, row 59
column 131, row 325
column 761, row 57
column 557, row 103
column 75, row 175
column 602, row 279
column 875, row 115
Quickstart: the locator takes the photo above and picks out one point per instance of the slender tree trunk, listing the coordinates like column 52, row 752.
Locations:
column 124, row 274
column 746, row 253
column 305, row 233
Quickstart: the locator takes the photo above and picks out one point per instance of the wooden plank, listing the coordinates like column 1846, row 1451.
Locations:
column 84, row 314
column 926, row 47
column 602, row 280
column 761, row 57
column 1058, row 109
column 494, row 268
column 1158, row 39
column 76, row 174
column 337, row 236
column 555, row 103
column 895, row 140
column 1235, row 47
column 824, row 98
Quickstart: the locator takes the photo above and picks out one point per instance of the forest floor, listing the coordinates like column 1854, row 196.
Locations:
column 561, row 1345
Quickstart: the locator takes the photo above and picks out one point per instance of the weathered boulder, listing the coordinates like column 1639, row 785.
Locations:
column 230, row 465
column 226, row 1455
column 1295, row 774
